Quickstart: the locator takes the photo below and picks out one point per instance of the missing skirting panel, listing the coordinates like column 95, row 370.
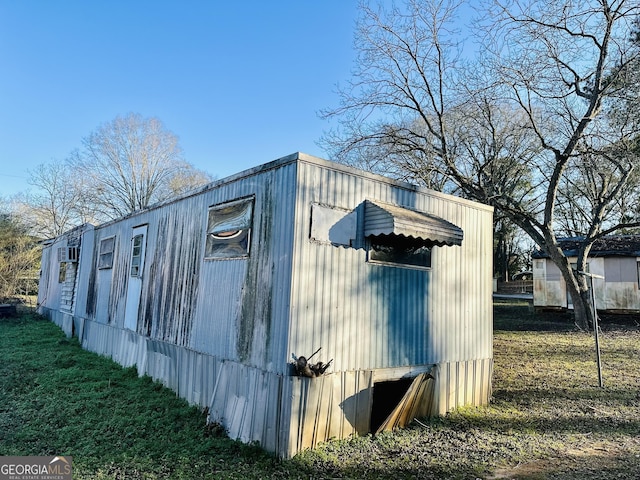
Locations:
column 386, row 397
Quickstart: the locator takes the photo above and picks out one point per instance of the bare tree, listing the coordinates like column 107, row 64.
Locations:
column 512, row 125
column 56, row 204
column 19, row 257
column 131, row 163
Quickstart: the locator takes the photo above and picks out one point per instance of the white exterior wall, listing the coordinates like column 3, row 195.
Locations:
column 617, row 291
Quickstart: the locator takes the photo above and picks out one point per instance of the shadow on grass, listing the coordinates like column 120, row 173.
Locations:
column 520, row 316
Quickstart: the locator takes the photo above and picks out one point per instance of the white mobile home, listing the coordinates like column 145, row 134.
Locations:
column 216, row 292
column 614, row 259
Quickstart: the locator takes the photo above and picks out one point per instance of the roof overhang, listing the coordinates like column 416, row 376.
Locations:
column 384, row 219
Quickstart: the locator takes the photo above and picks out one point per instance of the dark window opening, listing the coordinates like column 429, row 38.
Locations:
column 62, row 272
column 386, row 397
column 400, row 250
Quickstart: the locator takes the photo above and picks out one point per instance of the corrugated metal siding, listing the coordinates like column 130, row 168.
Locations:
column 462, row 383
column 191, row 374
column 371, row 316
column 333, row 406
column 248, row 401
column 242, row 312
column 234, row 309
column 221, row 332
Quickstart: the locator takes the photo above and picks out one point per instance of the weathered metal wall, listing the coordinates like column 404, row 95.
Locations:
column 65, row 295
column 48, row 289
column 209, row 329
column 242, row 311
column 621, row 286
column 235, row 309
column 336, row 405
column 221, row 332
column 369, row 316
column 617, row 291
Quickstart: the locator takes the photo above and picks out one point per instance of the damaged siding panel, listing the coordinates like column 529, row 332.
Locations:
column 332, row 406
column 190, row 374
column 197, row 376
column 247, row 402
column 417, row 402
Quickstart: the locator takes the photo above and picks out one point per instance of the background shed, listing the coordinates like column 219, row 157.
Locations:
column 213, row 294
column 616, row 258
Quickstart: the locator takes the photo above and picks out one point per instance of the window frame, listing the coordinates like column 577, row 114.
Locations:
column 62, row 272
column 139, row 256
column 233, row 241
column 106, row 257
column 389, row 241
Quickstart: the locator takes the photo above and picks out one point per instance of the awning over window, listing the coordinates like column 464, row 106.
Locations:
column 384, row 219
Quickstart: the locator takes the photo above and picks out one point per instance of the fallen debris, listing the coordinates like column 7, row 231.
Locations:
column 305, row 369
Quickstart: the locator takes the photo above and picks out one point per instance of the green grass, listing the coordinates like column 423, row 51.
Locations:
column 548, row 417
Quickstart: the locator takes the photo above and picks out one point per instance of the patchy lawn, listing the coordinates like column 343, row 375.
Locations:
column 548, row 418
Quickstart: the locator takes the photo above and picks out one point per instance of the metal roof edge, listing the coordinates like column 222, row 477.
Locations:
column 310, row 159
column 300, row 157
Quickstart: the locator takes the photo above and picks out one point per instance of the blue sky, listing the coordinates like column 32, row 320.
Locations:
column 240, row 83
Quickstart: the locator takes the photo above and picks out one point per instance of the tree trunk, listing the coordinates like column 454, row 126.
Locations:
column 577, row 287
column 581, row 299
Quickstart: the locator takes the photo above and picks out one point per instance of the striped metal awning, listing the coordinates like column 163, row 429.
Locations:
column 384, row 219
